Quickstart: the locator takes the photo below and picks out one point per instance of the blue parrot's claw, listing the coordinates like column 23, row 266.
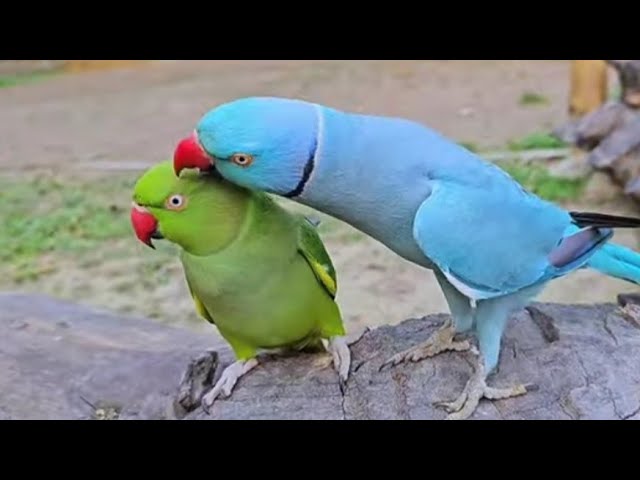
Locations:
column 441, row 341
column 475, row 390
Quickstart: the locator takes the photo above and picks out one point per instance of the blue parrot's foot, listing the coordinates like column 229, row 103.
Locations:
column 477, row 389
column 339, row 349
column 228, row 380
column 441, row 341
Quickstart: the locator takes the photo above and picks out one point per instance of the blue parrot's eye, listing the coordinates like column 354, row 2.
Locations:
column 175, row 202
column 242, row 159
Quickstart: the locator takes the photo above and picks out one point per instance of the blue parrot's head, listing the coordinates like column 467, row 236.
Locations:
column 261, row 143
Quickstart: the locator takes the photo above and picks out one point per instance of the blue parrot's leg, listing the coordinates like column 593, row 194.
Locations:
column 442, row 340
column 491, row 319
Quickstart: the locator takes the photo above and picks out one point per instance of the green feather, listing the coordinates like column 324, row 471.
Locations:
column 313, row 250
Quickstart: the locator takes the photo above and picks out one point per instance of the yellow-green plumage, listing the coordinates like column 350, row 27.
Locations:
column 258, row 272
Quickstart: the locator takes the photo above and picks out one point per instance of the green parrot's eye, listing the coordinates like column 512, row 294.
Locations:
column 242, row 159
column 175, row 202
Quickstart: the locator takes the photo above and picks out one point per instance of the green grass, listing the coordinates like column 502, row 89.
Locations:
column 43, row 215
column 532, row 99
column 535, row 141
column 538, row 180
column 7, row 81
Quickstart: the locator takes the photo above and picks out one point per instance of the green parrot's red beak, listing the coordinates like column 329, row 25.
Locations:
column 190, row 154
column 144, row 224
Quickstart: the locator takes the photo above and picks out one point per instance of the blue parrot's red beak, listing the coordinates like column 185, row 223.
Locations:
column 190, row 154
column 144, row 224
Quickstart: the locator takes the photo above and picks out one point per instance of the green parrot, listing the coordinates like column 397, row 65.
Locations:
column 256, row 271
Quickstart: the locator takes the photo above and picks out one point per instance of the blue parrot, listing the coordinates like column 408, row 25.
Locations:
column 492, row 245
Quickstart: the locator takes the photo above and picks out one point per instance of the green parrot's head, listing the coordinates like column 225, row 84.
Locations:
column 200, row 213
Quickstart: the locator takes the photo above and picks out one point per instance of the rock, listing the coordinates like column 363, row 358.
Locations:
column 600, row 188
column 57, row 358
column 610, row 135
column 572, row 168
column 63, row 361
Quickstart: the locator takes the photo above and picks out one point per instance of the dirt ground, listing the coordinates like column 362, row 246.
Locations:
column 92, row 122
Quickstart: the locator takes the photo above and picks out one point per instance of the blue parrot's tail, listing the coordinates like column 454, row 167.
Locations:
column 617, row 261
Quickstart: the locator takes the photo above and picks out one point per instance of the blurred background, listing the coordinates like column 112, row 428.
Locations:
column 75, row 135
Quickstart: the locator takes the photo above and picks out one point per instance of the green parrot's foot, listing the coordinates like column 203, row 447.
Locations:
column 441, row 341
column 477, row 389
column 341, row 359
column 228, row 380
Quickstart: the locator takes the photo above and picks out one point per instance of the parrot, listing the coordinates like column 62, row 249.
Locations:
column 492, row 245
column 255, row 270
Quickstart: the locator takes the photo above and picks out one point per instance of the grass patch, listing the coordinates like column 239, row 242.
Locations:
column 536, row 141
column 7, row 81
column 539, row 181
column 43, row 215
column 532, row 99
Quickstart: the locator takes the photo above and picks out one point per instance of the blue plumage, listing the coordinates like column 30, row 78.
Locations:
column 492, row 245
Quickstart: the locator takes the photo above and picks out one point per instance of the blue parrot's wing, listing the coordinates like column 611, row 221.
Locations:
column 491, row 242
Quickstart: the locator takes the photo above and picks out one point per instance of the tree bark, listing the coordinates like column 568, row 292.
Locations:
column 63, row 361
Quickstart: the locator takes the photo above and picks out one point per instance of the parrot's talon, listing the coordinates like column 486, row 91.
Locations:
column 441, row 341
column 341, row 359
column 224, row 386
column 475, row 390
column 454, row 406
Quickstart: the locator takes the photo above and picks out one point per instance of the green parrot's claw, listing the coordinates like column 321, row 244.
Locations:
column 341, row 360
column 227, row 382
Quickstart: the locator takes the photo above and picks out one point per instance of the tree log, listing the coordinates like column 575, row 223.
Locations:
column 588, row 86
column 63, row 361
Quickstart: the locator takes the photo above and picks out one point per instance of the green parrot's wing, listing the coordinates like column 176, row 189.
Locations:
column 200, row 308
column 312, row 249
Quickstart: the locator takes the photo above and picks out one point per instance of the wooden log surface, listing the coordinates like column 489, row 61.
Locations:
column 64, row 361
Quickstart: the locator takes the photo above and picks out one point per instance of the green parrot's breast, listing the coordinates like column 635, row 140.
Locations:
column 263, row 294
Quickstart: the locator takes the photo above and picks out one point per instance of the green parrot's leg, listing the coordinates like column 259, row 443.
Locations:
column 245, row 362
column 228, row 380
column 339, row 349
